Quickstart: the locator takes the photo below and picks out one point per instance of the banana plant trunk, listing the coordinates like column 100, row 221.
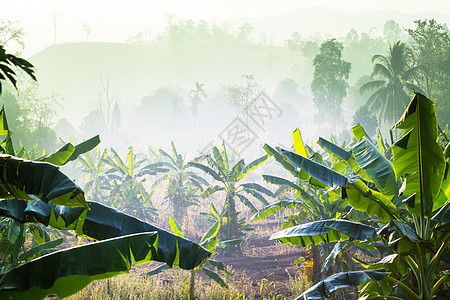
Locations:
column 231, row 228
column 317, row 264
column 192, row 285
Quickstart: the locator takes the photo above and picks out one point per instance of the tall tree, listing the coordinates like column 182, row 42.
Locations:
column 10, row 33
column 392, row 80
column 392, row 31
column 329, row 85
column 195, row 96
column 431, row 40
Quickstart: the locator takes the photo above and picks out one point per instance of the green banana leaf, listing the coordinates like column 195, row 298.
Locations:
column 40, row 249
column 218, row 158
column 102, row 222
column 333, row 149
column 273, row 208
column 281, row 181
column 212, row 232
column 299, row 146
column 211, row 190
column 359, row 132
column 257, row 187
column 417, row 153
column 325, row 231
column 176, row 228
column 377, row 167
column 19, row 178
column 257, row 195
column 206, row 169
column 214, row 276
column 359, row 195
column 444, row 194
column 247, row 203
column 337, row 281
column 68, row 152
column 219, row 265
column 158, row 270
column 67, row 271
column 344, row 156
column 316, row 170
column 253, row 165
column 7, row 144
column 280, row 159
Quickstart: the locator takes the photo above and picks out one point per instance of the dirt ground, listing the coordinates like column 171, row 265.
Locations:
column 264, row 259
column 262, row 262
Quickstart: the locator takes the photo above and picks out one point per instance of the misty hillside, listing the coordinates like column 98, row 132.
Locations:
column 136, row 71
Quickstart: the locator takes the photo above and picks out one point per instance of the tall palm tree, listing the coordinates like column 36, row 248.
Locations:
column 195, row 97
column 392, row 81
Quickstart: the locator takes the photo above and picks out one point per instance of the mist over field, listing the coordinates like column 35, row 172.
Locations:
column 235, row 150
column 147, row 79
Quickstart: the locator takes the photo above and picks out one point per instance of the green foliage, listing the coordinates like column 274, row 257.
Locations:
column 241, row 96
column 183, row 184
column 10, row 32
column 329, row 85
column 195, row 96
column 392, row 82
column 310, row 202
column 431, row 40
column 367, row 120
column 229, row 178
column 100, row 223
column 9, row 60
column 209, row 241
column 124, row 184
column 415, row 238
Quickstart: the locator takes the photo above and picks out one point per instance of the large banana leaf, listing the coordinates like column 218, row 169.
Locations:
column 280, row 159
column 206, row 169
column 417, row 153
column 69, row 152
column 444, row 193
column 360, row 196
column 325, row 231
column 344, row 156
column 274, row 207
column 299, row 146
column 102, row 222
column 337, row 281
column 337, row 151
column 67, row 271
column 253, row 165
column 19, row 177
column 377, row 167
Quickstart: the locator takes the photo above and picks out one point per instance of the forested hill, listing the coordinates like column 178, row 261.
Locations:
column 137, row 70
column 335, row 23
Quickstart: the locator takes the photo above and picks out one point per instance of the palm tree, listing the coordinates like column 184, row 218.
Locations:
column 195, row 97
column 392, row 81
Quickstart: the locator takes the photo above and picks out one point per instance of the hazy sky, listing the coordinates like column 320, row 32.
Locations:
column 114, row 20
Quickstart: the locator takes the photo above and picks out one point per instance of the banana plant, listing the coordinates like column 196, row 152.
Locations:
column 125, row 240
column 410, row 198
column 310, row 203
column 13, row 234
column 209, row 241
column 93, row 165
column 183, row 184
column 125, row 185
column 230, row 182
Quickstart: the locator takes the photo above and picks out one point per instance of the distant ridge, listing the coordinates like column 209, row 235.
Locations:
column 332, row 22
